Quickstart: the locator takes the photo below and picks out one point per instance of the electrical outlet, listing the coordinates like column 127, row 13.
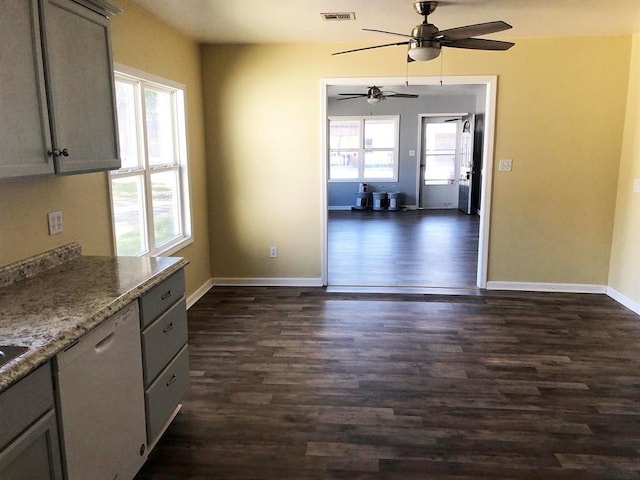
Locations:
column 504, row 165
column 273, row 252
column 55, row 222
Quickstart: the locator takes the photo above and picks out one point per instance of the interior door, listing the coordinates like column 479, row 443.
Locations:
column 466, row 164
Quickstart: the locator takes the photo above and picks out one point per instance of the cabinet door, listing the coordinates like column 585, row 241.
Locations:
column 24, row 130
column 35, row 454
column 80, row 82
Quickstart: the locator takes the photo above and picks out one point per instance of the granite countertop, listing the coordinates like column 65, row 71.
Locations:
column 53, row 299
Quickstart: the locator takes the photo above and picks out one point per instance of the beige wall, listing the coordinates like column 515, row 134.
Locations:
column 625, row 258
column 143, row 43
column 560, row 117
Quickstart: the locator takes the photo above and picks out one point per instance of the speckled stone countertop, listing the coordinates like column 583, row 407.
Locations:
column 49, row 309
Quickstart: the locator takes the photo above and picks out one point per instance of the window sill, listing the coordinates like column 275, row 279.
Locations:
column 170, row 250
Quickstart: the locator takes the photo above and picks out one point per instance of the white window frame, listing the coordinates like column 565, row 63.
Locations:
column 362, row 149
column 180, row 165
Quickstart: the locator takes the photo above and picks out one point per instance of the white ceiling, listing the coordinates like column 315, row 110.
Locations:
column 285, row 21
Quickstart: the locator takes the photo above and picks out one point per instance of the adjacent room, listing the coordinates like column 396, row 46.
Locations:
column 411, row 216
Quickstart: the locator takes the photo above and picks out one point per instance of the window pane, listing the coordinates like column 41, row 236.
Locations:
column 127, row 127
column 441, row 136
column 128, row 207
column 439, row 169
column 343, row 165
column 344, row 134
column 165, row 198
column 379, row 133
column 378, row 164
column 159, row 127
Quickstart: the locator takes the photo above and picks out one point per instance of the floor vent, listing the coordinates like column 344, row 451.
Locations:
column 337, row 16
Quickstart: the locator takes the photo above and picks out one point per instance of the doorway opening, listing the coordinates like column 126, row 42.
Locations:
column 388, row 237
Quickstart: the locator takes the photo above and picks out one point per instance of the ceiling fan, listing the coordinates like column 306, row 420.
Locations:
column 376, row 95
column 425, row 40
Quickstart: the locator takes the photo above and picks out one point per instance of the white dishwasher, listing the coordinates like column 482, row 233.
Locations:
column 101, row 401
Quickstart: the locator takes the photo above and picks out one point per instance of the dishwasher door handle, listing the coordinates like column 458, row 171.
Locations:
column 105, row 343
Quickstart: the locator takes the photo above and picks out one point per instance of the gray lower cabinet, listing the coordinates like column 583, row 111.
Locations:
column 56, row 89
column 29, row 445
column 165, row 354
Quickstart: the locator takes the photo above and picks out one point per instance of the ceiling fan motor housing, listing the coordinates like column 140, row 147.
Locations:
column 423, row 47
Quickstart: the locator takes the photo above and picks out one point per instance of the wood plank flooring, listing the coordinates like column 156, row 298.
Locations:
column 414, row 248
column 297, row 383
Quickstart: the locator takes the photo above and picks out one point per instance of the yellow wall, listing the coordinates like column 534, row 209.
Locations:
column 143, row 43
column 560, row 117
column 625, row 259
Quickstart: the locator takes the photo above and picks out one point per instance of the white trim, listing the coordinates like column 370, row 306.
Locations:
column 547, row 287
column 199, row 293
column 266, row 282
column 624, row 300
column 491, row 83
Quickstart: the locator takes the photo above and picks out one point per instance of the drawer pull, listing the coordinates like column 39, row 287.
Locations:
column 172, row 379
column 166, row 295
column 168, row 328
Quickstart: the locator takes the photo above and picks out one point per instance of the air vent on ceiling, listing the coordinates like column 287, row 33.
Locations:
column 337, row 16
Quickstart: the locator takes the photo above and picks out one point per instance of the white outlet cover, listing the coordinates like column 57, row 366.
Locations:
column 504, row 165
column 412, row 153
column 55, row 222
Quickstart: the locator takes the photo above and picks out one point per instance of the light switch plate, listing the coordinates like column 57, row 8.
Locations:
column 504, row 165
column 636, row 185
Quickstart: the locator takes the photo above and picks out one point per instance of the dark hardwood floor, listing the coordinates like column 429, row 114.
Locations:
column 297, row 383
column 414, row 248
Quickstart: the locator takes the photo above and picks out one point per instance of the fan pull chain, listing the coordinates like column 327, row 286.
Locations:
column 441, row 61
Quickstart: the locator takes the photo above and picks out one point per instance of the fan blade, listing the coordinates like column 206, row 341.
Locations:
column 478, row 44
column 354, row 94
column 351, row 98
column 472, row 30
column 388, row 33
column 369, row 48
column 400, row 95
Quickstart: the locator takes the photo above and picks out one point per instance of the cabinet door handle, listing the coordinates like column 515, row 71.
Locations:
column 57, row 153
column 172, row 379
column 166, row 295
column 168, row 328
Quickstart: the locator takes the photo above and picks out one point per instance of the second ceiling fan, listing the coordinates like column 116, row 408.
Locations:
column 426, row 40
column 376, row 95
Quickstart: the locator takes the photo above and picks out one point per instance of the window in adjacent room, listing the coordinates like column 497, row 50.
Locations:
column 363, row 148
column 149, row 193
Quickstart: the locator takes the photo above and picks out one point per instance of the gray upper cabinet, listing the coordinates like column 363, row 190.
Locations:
column 24, row 131
column 56, row 89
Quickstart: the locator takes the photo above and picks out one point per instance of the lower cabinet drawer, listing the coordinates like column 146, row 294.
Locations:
column 165, row 393
column 22, row 403
column 163, row 339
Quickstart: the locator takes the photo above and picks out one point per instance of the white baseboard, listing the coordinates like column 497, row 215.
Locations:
column 547, row 287
column 199, row 293
column 267, row 282
column 624, row 300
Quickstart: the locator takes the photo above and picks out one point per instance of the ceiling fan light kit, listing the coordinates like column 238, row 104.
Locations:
column 426, row 40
